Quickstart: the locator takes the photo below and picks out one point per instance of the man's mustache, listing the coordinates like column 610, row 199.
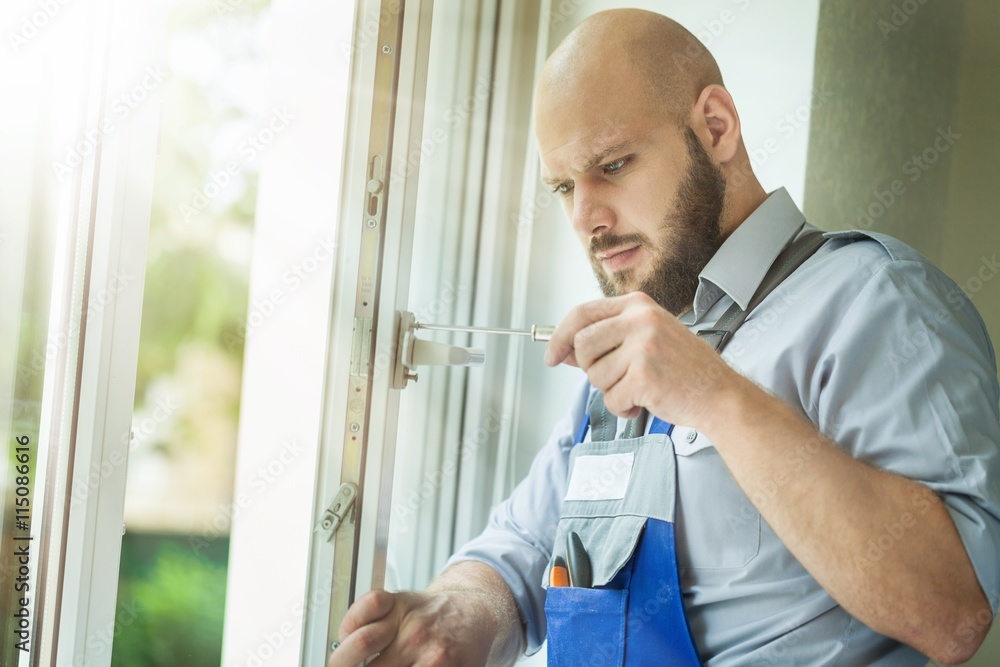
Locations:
column 611, row 241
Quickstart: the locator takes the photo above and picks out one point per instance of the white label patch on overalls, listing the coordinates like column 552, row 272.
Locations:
column 600, row 477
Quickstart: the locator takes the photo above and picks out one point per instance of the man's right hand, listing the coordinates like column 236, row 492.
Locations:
column 409, row 628
column 465, row 618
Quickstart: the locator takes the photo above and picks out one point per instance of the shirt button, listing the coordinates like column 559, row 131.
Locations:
column 692, row 436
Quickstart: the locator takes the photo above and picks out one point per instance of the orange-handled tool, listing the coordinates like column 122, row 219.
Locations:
column 559, row 574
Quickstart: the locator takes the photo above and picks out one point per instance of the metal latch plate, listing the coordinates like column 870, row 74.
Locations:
column 335, row 514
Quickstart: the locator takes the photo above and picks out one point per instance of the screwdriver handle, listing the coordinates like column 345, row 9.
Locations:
column 541, row 334
column 580, row 573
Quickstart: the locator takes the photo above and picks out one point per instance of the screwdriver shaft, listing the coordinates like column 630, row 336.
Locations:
column 537, row 333
column 445, row 327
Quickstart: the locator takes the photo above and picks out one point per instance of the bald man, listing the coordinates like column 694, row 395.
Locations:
column 818, row 494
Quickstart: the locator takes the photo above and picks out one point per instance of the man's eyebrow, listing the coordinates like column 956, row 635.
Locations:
column 592, row 162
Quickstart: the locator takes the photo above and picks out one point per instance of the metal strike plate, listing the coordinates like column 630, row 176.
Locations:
column 335, row 514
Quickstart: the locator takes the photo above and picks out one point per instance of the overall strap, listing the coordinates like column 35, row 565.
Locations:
column 605, row 424
column 790, row 259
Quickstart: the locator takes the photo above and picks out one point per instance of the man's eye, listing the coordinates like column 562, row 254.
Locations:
column 615, row 166
column 563, row 189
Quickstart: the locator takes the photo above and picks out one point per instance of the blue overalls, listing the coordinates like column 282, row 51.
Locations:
column 621, row 500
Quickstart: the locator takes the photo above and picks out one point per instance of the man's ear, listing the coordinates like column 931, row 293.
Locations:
column 716, row 122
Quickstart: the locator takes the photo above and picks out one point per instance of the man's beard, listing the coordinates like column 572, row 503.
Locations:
column 692, row 235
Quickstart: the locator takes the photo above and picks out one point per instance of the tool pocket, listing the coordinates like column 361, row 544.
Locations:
column 586, row 626
column 613, row 488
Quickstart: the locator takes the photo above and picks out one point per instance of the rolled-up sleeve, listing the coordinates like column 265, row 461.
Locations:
column 517, row 540
column 908, row 383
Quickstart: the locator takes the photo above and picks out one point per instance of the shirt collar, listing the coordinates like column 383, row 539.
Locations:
column 740, row 264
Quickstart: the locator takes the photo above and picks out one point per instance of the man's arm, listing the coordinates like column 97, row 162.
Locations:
column 467, row 617
column 482, row 584
column 472, row 613
column 921, row 590
column 826, row 506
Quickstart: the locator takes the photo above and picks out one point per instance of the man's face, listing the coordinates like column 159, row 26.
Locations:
column 642, row 195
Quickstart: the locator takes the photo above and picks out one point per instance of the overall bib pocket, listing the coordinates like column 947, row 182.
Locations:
column 586, row 626
column 615, row 489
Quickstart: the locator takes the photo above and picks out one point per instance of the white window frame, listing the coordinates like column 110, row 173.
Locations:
column 89, row 383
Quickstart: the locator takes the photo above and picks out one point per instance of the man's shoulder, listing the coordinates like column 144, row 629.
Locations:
column 854, row 257
column 874, row 247
column 868, row 274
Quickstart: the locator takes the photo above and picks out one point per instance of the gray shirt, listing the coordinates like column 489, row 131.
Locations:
column 878, row 349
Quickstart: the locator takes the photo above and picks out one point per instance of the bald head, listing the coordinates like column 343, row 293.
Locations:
column 634, row 55
column 642, row 143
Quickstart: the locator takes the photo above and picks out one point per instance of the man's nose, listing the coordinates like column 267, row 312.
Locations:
column 592, row 214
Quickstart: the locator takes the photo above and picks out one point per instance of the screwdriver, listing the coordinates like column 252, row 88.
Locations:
column 559, row 573
column 580, row 572
column 537, row 333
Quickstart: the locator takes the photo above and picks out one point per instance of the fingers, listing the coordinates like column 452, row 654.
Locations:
column 606, row 371
column 369, row 608
column 364, row 643
column 610, row 374
column 365, row 629
column 561, row 346
column 598, row 340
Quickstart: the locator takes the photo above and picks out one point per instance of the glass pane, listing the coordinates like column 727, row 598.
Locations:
column 27, row 250
column 32, row 132
column 178, row 506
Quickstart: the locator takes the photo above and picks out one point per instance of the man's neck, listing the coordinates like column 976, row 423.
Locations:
column 740, row 204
